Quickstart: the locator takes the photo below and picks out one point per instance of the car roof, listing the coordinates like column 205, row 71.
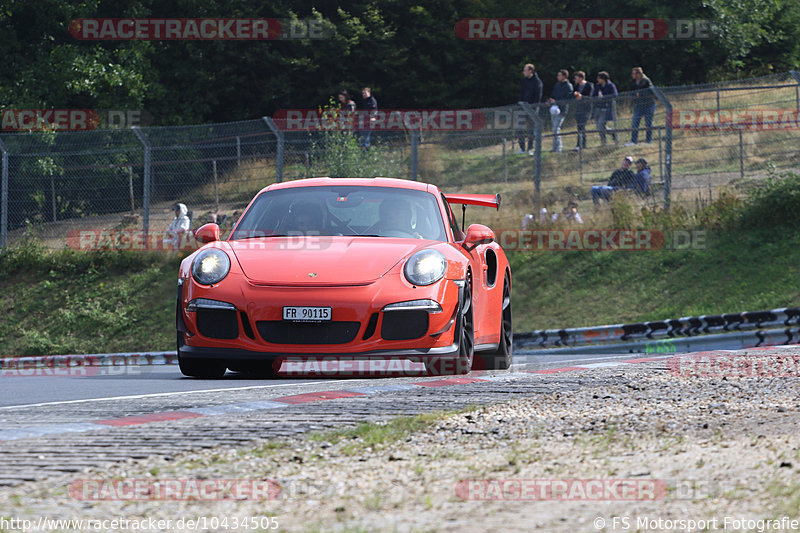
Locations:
column 364, row 182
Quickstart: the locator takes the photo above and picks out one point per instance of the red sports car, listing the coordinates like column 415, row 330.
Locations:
column 346, row 267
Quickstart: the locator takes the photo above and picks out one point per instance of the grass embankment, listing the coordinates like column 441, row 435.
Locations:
column 61, row 302
column 66, row 302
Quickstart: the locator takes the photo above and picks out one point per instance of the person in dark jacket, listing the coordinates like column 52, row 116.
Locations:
column 346, row 104
column 583, row 110
column 604, row 97
column 530, row 91
column 641, row 184
column 644, row 105
column 369, row 107
column 347, row 109
column 562, row 91
column 622, row 178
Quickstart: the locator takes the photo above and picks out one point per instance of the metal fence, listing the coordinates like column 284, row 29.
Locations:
column 57, row 183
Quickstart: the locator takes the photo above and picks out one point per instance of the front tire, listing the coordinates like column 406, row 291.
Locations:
column 465, row 337
column 201, row 368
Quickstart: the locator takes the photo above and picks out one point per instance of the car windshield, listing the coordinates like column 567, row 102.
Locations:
column 343, row 210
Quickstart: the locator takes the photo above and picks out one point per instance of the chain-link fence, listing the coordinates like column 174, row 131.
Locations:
column 697, row 141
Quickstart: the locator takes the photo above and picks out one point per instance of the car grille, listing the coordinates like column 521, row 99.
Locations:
column 404, row 325
column 284, row 332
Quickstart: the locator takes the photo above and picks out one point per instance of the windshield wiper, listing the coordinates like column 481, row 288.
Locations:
column 258, row 236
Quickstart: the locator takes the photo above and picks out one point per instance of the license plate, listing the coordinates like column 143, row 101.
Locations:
column 307, row 314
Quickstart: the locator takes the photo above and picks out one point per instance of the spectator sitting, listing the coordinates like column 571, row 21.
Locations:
column 568, row 214
column 528, row 220
column 641, row 183
column 622, row 178
column 176, row 228
column 217, row 218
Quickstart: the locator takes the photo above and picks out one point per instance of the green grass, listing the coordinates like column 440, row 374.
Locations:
column 65, row 302
column 738, row 271
column 378, row 435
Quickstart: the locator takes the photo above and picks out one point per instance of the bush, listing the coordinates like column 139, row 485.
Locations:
column 338, row 153
column 776, row 204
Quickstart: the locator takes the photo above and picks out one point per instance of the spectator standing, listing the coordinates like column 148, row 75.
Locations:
column 604, row 96
column 622, row 178
column 347, row 108
column 370, row 108
column 642, row 182
column 179, row 225
column 530, row 91
column 562, row 91
column 346, row 104
column 644, row 105
column 583, row 110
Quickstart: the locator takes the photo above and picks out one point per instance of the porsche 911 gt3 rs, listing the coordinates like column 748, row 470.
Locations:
column 346, row 267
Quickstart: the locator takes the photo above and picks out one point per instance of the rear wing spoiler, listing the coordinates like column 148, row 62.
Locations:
column 485, row 200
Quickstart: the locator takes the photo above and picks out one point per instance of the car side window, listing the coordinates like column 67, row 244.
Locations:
column 457, row 235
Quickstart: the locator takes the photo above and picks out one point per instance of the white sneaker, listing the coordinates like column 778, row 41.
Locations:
column 630, row 143
column 519, row 152
column 577, row 149
column 530, row 152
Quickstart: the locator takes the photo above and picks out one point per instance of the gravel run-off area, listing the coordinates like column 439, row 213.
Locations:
column 670, row 452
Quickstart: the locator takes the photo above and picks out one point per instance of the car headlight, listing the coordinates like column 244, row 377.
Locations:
column 425, row 267
column 210, row 266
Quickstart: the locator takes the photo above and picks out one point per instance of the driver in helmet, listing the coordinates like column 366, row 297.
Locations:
column 304, row 219
column 394, row 219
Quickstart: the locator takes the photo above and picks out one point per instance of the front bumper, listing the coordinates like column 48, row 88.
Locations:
column 251, row 327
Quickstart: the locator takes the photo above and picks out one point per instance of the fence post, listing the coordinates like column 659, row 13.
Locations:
column 796, row 76
column 238, row 151
column 280, row 141
column 505, row 163
column 146, row 179
column 667, row 145
column 130, row 187
column 414, row 154
column 4, row 197
column 216, row 194
column 660, row 157
column 53, row 194
column 537, row 152
column 741, row 156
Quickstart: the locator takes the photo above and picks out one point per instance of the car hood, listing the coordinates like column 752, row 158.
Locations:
column 313, row 261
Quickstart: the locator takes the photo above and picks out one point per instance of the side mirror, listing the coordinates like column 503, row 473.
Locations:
column 207, row 233
column 478, row 234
